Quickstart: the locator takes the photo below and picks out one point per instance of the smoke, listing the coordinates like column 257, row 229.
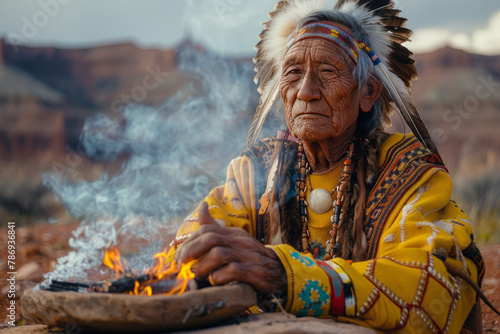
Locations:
column 176, row 153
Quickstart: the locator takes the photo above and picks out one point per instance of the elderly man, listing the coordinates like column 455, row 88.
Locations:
column 334, row 215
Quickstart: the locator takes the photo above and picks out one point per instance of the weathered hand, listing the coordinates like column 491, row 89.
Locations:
column 230, row 254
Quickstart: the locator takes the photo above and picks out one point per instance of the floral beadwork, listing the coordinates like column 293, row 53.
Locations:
column 314, row 296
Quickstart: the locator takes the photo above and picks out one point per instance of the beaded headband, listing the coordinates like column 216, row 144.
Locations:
column 331, row 32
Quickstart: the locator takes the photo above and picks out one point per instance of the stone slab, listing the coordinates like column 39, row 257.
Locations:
column 285, row 323
column 270, row 323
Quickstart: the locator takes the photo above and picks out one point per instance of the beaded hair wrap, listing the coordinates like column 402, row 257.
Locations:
column 302, row 167
column 333, row 244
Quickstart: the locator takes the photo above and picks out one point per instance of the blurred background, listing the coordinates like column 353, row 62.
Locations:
column 63, row 62
column 124, row 113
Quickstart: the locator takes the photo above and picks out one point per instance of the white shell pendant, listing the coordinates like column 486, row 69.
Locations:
column 319, row 200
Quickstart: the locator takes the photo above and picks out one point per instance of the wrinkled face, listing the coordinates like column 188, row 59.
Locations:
column 321, row 97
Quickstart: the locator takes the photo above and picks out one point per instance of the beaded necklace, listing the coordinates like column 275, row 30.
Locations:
column 338, row 217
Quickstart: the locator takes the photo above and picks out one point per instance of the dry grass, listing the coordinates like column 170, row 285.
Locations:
column 477, row 190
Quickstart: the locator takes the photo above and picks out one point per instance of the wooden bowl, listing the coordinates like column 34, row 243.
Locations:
column 129, row 313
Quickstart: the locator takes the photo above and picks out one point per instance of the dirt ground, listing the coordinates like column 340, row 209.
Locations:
column 38, row 247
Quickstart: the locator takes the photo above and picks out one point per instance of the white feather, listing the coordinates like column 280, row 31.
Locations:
column 283, row 24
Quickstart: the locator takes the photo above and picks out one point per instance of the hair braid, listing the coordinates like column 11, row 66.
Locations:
column 365, row 173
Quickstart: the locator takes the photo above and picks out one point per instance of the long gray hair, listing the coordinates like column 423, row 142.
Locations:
column 369, row 137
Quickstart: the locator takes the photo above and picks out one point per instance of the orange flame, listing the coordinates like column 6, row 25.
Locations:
column 160, row 271
column 113, row 260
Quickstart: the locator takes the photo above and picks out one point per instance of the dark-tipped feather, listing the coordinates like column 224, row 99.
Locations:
column 406, row 108
column 393, row 21
column 400, row 69
column 368, row 4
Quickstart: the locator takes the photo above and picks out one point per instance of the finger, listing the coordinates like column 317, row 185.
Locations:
column 199, row 239
column 239, row 272
column 236, row 240
column 208, row 236
column 216, row 258
column 227, row 274
column 196, row 246
column 238, row 246
column 239, row 249
column 204, row 217
column 267, row 277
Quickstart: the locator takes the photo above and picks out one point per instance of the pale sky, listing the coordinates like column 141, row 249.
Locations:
column 229, row 26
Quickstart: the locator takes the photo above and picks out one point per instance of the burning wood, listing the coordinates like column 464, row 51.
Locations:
column 162, row 298
column 125, row 313
column 161, row 279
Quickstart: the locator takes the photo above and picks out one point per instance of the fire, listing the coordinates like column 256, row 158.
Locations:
column 162, row 278
column 113, row 260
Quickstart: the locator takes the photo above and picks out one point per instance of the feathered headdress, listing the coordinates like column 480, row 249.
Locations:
column 378, row 25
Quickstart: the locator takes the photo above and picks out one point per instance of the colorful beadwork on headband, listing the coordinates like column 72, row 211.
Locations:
column 331, row 32
column 327, row 31
column 362, row 45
